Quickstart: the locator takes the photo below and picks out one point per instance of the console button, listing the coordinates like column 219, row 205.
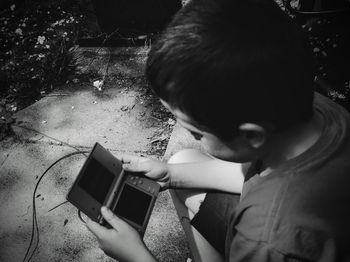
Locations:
column 140, row 181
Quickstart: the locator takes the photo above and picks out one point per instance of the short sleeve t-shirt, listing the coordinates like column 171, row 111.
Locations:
column 301, row 211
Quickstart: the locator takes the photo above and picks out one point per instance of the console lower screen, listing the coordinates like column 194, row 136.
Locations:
column 96, row 180
column 133, row 204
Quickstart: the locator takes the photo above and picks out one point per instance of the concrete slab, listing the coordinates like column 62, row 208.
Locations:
column 181, row 139
column 122, row 119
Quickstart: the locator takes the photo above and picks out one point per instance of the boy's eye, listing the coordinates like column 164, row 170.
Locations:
column 196, row 135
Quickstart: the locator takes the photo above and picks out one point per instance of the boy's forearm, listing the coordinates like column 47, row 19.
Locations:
column 147, row 256
column 212, row 174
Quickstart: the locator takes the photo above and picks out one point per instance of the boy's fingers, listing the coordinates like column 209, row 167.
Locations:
column 132, row 159
column 135, row 167
column 96, row 228
column 112, row 219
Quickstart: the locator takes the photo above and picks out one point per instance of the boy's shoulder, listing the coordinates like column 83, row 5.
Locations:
column 303, row 209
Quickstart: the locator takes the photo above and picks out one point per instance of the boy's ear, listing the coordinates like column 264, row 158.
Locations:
column 254, row 134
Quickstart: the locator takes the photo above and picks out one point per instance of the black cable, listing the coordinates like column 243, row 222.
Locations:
column 35, row 228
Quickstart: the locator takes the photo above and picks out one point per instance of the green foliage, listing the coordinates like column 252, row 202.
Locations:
column 36, row 40
column 36, row 43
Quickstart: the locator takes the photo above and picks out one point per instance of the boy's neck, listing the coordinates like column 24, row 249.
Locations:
column 292, row 143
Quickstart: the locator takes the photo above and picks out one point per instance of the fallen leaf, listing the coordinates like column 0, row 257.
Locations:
column 98, row 84
column 124, row 108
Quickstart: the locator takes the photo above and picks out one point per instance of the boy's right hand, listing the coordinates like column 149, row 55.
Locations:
column 154, row 169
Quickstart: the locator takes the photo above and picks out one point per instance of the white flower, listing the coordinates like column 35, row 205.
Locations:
column 59, row 22
column 24, row 24
column 12, row 7
column 47, row 46
column 40, row 56
column 19, row 31
column 13, row 108
column 41, row 40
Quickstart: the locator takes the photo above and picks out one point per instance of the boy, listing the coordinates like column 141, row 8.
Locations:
column 238, row 75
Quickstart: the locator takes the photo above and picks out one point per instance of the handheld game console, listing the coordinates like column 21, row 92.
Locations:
column 103, row 182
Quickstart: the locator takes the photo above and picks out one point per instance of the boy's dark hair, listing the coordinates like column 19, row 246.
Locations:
column 227, row 62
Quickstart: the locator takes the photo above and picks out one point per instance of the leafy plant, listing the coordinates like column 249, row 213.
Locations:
column 37, row 40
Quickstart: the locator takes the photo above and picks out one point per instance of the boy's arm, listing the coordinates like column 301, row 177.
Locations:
column 213, row 174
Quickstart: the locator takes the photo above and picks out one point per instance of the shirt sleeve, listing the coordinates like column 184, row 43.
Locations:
column 243, row 249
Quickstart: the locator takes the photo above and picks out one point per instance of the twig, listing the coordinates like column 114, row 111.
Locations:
column 57, row 206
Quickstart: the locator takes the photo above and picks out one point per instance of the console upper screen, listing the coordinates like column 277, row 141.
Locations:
column 96, row 180
column 133, row 204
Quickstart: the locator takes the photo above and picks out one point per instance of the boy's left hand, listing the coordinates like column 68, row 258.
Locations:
column 122, row 242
